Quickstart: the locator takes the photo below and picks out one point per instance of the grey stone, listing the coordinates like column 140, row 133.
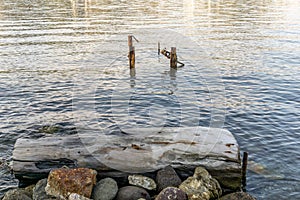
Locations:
column 142, row 181
column 105, row 189
column 29, row 190
column 132, row 193
column 16, row 194
column 238, row 196
column 201, row 186
column 171, row 193
column 75, row 196
column 40, row 193
column 167, row 177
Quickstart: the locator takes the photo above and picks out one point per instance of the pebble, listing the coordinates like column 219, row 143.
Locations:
column 171, row 193
column 39, row 191
column 167, row 177
column 16, row 194
column 238, row 196
column 142, row 181
column 105, row 189
column 132, row 192
column 201, row 186
column 75, row 196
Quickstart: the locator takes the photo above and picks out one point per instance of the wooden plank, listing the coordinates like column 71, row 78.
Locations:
column 138, row 151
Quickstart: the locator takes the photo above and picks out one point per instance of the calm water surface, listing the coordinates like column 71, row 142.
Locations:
column 63, row 64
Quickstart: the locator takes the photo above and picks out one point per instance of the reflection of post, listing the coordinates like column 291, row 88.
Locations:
column 74, row 8
column 87, row 4
column 132, row 77
column 173, row 73
column 173, row 83
column 173, row 58
column 131, row 55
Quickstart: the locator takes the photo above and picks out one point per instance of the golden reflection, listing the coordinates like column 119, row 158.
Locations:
column 1, row 8
column 81, row 8
column 292, row 10
column 74, row 7
column 188, row 8
column 188, row 14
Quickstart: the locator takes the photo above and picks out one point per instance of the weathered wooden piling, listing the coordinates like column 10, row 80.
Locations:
column 158, row 48
column 131, row 54
column 168, row 55
column 244, row 169
column 173, row 58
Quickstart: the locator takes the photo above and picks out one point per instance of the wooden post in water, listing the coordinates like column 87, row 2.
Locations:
column 244, row 169
column 131, row 54
column 173, row 58
column 158, row 48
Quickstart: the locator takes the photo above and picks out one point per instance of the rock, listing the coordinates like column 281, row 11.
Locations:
column 16, row 194
column 49, row 129
column 75, row 196
column 238, row 196
column 105, row 189
column 201, row 186
column 171, row 193
column 167, row 177
column 142, row 181
column 40, row 193
column 132, row 193
column 29, row 190
column 62, row 182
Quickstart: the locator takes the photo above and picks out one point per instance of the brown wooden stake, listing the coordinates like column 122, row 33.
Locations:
column 173, row 58
column 131, row 54
column 244, row 169
column 131, row 57
column 129, row 41
column 158, row 48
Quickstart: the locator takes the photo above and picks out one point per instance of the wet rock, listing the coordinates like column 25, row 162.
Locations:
column 29, row 190
column 105, row 189
column 40, row 193
column 238, row 196
column 16, row 194
column 142, row 181
column 201, row 186
column 49, row 129
column 167, row 177
column 171, row 193
column 75, row 196
column 62, row 182
column 132, row 193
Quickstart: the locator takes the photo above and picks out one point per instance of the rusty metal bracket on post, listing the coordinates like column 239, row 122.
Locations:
column 168, row 55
